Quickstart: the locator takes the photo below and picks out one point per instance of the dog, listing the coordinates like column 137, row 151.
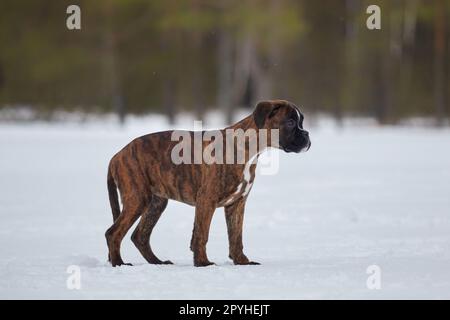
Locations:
column 147, row 177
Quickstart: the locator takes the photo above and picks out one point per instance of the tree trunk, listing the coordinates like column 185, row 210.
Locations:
column 439, row 61
column 112, row 77
column 168, row 83
column 225, row 74
column 245, row 54
column 384, row 107
column 410, row 10
column 198, row 88
column 168, row 99
column 2, row 77
column 349, row 77
column 251, row 79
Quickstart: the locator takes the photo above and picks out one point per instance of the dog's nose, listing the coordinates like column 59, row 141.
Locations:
column 305, row 133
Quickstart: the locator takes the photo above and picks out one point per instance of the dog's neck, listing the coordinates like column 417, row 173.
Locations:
column 248, row 123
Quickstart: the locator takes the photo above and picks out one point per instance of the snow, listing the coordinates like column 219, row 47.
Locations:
column 361, row 196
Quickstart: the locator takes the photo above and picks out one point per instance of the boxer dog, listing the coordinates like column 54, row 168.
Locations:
column 147, row 177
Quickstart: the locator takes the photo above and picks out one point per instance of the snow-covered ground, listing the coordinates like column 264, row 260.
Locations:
column 361, row 196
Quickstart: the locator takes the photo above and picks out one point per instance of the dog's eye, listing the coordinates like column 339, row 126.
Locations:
column 290, row 123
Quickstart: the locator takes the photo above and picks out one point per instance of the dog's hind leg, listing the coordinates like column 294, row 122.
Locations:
column 143, row 231
column 114, row 235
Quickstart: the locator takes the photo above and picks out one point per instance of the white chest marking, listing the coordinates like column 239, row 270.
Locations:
column 248, row 187
column 247, row 174
column 247, row 177
column 238, row 190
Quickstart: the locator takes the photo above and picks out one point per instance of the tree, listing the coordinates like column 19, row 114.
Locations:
column 440, row 68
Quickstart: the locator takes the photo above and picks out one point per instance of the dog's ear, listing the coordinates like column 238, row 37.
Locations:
column 264, row 110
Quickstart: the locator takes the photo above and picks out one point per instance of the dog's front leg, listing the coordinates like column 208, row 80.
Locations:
column 204, row 211
column 234, row 214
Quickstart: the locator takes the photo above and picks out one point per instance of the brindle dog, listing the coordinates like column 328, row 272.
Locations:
column 146, row 177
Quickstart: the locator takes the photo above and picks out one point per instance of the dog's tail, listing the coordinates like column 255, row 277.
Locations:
column 113, row 197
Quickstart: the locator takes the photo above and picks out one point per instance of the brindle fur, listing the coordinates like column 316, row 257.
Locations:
column 146, row 178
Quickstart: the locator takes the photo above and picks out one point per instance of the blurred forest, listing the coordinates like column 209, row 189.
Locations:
column 137, row 56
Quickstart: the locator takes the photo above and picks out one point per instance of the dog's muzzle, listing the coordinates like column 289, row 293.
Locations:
column 300, row 143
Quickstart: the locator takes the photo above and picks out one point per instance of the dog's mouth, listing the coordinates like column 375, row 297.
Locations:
column 297, row 148
column 288, row 150
column 305, row 149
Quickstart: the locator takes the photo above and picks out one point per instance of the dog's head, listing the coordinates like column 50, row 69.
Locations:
column 285, row 116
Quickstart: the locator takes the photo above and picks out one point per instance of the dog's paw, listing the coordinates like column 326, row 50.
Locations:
column 118, row 264
column 157, row 261
column 203, row 263
column 243, row 260
column 246, row 263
